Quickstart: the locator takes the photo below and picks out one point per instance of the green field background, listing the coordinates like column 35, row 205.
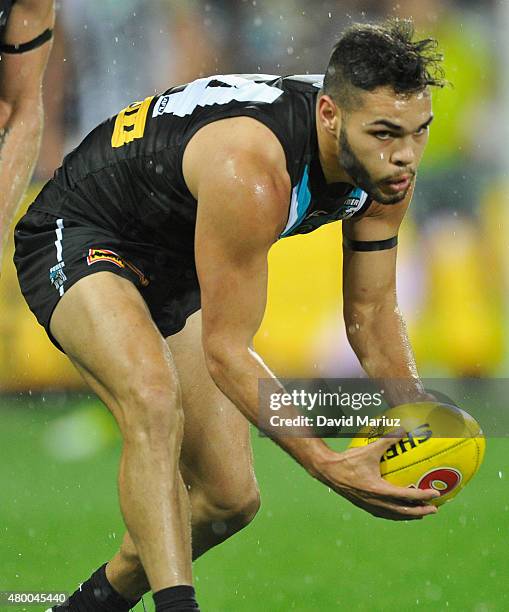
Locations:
column 307, row 550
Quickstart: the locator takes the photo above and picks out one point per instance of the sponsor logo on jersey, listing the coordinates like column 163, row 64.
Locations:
column 57, row 276
column 351, row 206
column 352, row 203
column 97, row 255
column 160, row 106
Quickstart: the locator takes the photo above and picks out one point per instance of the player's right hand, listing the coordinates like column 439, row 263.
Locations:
column 355, row 474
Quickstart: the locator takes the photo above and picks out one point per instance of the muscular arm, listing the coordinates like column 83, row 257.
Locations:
column 243, row 193
column 21, row 104
column 374, row 324
column 242, row 207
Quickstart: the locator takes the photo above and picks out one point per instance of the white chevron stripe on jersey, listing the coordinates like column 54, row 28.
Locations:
column 198, row 93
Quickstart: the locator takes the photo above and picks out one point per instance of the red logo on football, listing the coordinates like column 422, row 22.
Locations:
column 443, row 480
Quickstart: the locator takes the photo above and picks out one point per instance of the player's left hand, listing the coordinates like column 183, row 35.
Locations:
column 355, row 474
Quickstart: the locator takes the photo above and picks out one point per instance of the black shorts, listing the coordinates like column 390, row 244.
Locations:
column 52, row 254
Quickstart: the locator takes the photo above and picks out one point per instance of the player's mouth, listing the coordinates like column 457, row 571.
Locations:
column 400, row 183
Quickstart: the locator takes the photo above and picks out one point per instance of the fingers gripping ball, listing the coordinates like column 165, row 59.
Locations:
column 443, row 447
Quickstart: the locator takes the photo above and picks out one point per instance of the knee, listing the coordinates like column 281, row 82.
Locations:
column 153, row 415
column 248, row 507
column 242, row 509
column 230, row 510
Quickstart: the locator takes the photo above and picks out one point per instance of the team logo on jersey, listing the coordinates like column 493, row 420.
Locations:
column 97, row 255
column 57, row 276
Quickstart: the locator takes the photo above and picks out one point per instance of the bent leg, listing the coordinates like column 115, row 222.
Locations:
column 106, row 330
column 216, row 463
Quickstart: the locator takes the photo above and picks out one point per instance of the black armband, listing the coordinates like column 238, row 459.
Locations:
column 370, row 245
column 38, row 41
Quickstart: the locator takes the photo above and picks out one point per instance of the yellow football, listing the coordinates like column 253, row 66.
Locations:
column 443, row 447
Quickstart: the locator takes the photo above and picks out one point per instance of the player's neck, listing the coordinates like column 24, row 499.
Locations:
column 328, row 154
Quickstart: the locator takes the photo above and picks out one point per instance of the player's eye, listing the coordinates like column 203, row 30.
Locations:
column 422, row 130
column 384, row 135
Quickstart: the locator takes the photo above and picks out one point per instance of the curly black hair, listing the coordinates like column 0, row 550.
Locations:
column 368, row 56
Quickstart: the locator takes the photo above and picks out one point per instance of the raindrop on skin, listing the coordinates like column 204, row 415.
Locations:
column 353, row 328
column 400, row 104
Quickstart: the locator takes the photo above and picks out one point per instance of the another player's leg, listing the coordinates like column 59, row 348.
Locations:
column 105, row 328
column 216, row 463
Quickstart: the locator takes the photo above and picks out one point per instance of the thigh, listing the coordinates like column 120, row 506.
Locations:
column 105, row 328
column 216, row 449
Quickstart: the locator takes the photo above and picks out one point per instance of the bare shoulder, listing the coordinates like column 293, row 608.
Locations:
column 238, row 148
column 239, row 160
column 239, row 134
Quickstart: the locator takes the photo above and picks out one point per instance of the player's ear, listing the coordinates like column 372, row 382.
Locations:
column 328, row 113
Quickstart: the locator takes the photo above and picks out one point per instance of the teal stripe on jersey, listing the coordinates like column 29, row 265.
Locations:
column 301, row 198
column 357, row 192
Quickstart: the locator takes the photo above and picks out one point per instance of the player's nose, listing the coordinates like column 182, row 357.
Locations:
column 403, row 156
